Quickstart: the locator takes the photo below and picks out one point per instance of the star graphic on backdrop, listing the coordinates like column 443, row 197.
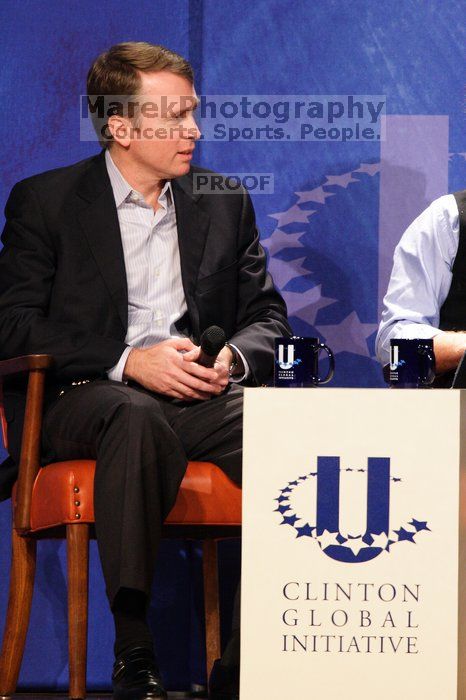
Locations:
column 368, row 168
column 319, row 195
column 289, row 520
column 328, row 538
column 355, row 544
column 380, row 540
column 279, row 240
column 349, row 335
column 316, row 195
column 420, row 525
column 286, row 490
column 305, row 305
column 405, row 535
column 340, row 180
column 461, row 155
column 305, row 531
column 280, row 499
column 283, row 271
column 293, row 215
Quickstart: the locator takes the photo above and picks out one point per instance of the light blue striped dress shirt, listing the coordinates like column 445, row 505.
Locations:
column 156, row 298
column 421, row 276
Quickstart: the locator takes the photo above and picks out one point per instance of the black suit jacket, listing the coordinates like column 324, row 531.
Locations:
column 63, row 285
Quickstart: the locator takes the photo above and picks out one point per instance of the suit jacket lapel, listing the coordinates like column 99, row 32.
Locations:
column 99, row 221
column 193, row 227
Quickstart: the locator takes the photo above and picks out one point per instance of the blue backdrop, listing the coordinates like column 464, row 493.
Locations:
column 330, row 225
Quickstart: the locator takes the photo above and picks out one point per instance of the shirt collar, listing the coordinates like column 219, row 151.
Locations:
column 122, row 189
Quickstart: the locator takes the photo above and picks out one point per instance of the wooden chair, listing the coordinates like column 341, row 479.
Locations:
column 57, row 501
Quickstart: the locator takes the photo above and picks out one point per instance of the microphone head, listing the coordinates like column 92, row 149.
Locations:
column 212, row 340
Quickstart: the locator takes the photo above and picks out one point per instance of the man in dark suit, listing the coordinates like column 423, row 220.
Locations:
column 115, row 266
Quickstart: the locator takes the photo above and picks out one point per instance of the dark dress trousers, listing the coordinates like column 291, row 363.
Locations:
column 63, row 292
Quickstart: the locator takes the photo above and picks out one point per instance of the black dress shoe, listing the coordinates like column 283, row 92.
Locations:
column 224, row 682
column 136, row 676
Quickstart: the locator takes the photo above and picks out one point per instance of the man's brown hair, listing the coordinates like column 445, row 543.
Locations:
column 117, row 71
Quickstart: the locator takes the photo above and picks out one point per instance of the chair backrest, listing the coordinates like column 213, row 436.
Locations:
column 3, row 424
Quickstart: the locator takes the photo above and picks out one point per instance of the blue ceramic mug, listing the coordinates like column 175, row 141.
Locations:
column 412, row 363
column 297, row 362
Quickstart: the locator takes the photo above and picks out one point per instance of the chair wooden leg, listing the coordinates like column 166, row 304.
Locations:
column 211, row 603
column 77, row 541
column 23, row 567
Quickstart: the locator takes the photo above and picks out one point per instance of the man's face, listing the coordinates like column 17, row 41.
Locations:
column 166, row 127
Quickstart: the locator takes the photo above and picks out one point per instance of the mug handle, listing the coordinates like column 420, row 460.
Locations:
column 331, row 359
column 426, row 354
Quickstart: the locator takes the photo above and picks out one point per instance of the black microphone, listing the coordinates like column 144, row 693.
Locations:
column 212, row 341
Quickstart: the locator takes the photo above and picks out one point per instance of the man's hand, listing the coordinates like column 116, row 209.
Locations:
column 170, row 368
column 449, row 347
column 224, row 360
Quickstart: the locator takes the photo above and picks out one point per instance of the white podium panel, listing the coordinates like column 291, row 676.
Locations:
column 353, row 571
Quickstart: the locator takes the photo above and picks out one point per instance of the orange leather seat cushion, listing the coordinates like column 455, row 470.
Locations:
column 65, row 490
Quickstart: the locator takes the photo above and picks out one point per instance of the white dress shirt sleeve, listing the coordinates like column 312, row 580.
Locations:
column 116, row 373
column 421, row 276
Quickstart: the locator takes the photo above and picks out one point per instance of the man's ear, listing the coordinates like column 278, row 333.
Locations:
column 120, row 129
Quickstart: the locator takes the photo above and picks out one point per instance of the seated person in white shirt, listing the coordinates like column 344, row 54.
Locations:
column 426, row 296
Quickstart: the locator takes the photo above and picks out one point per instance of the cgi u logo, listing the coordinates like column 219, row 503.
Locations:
column 378, row 506
column 289, row 356
column 394, row 357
